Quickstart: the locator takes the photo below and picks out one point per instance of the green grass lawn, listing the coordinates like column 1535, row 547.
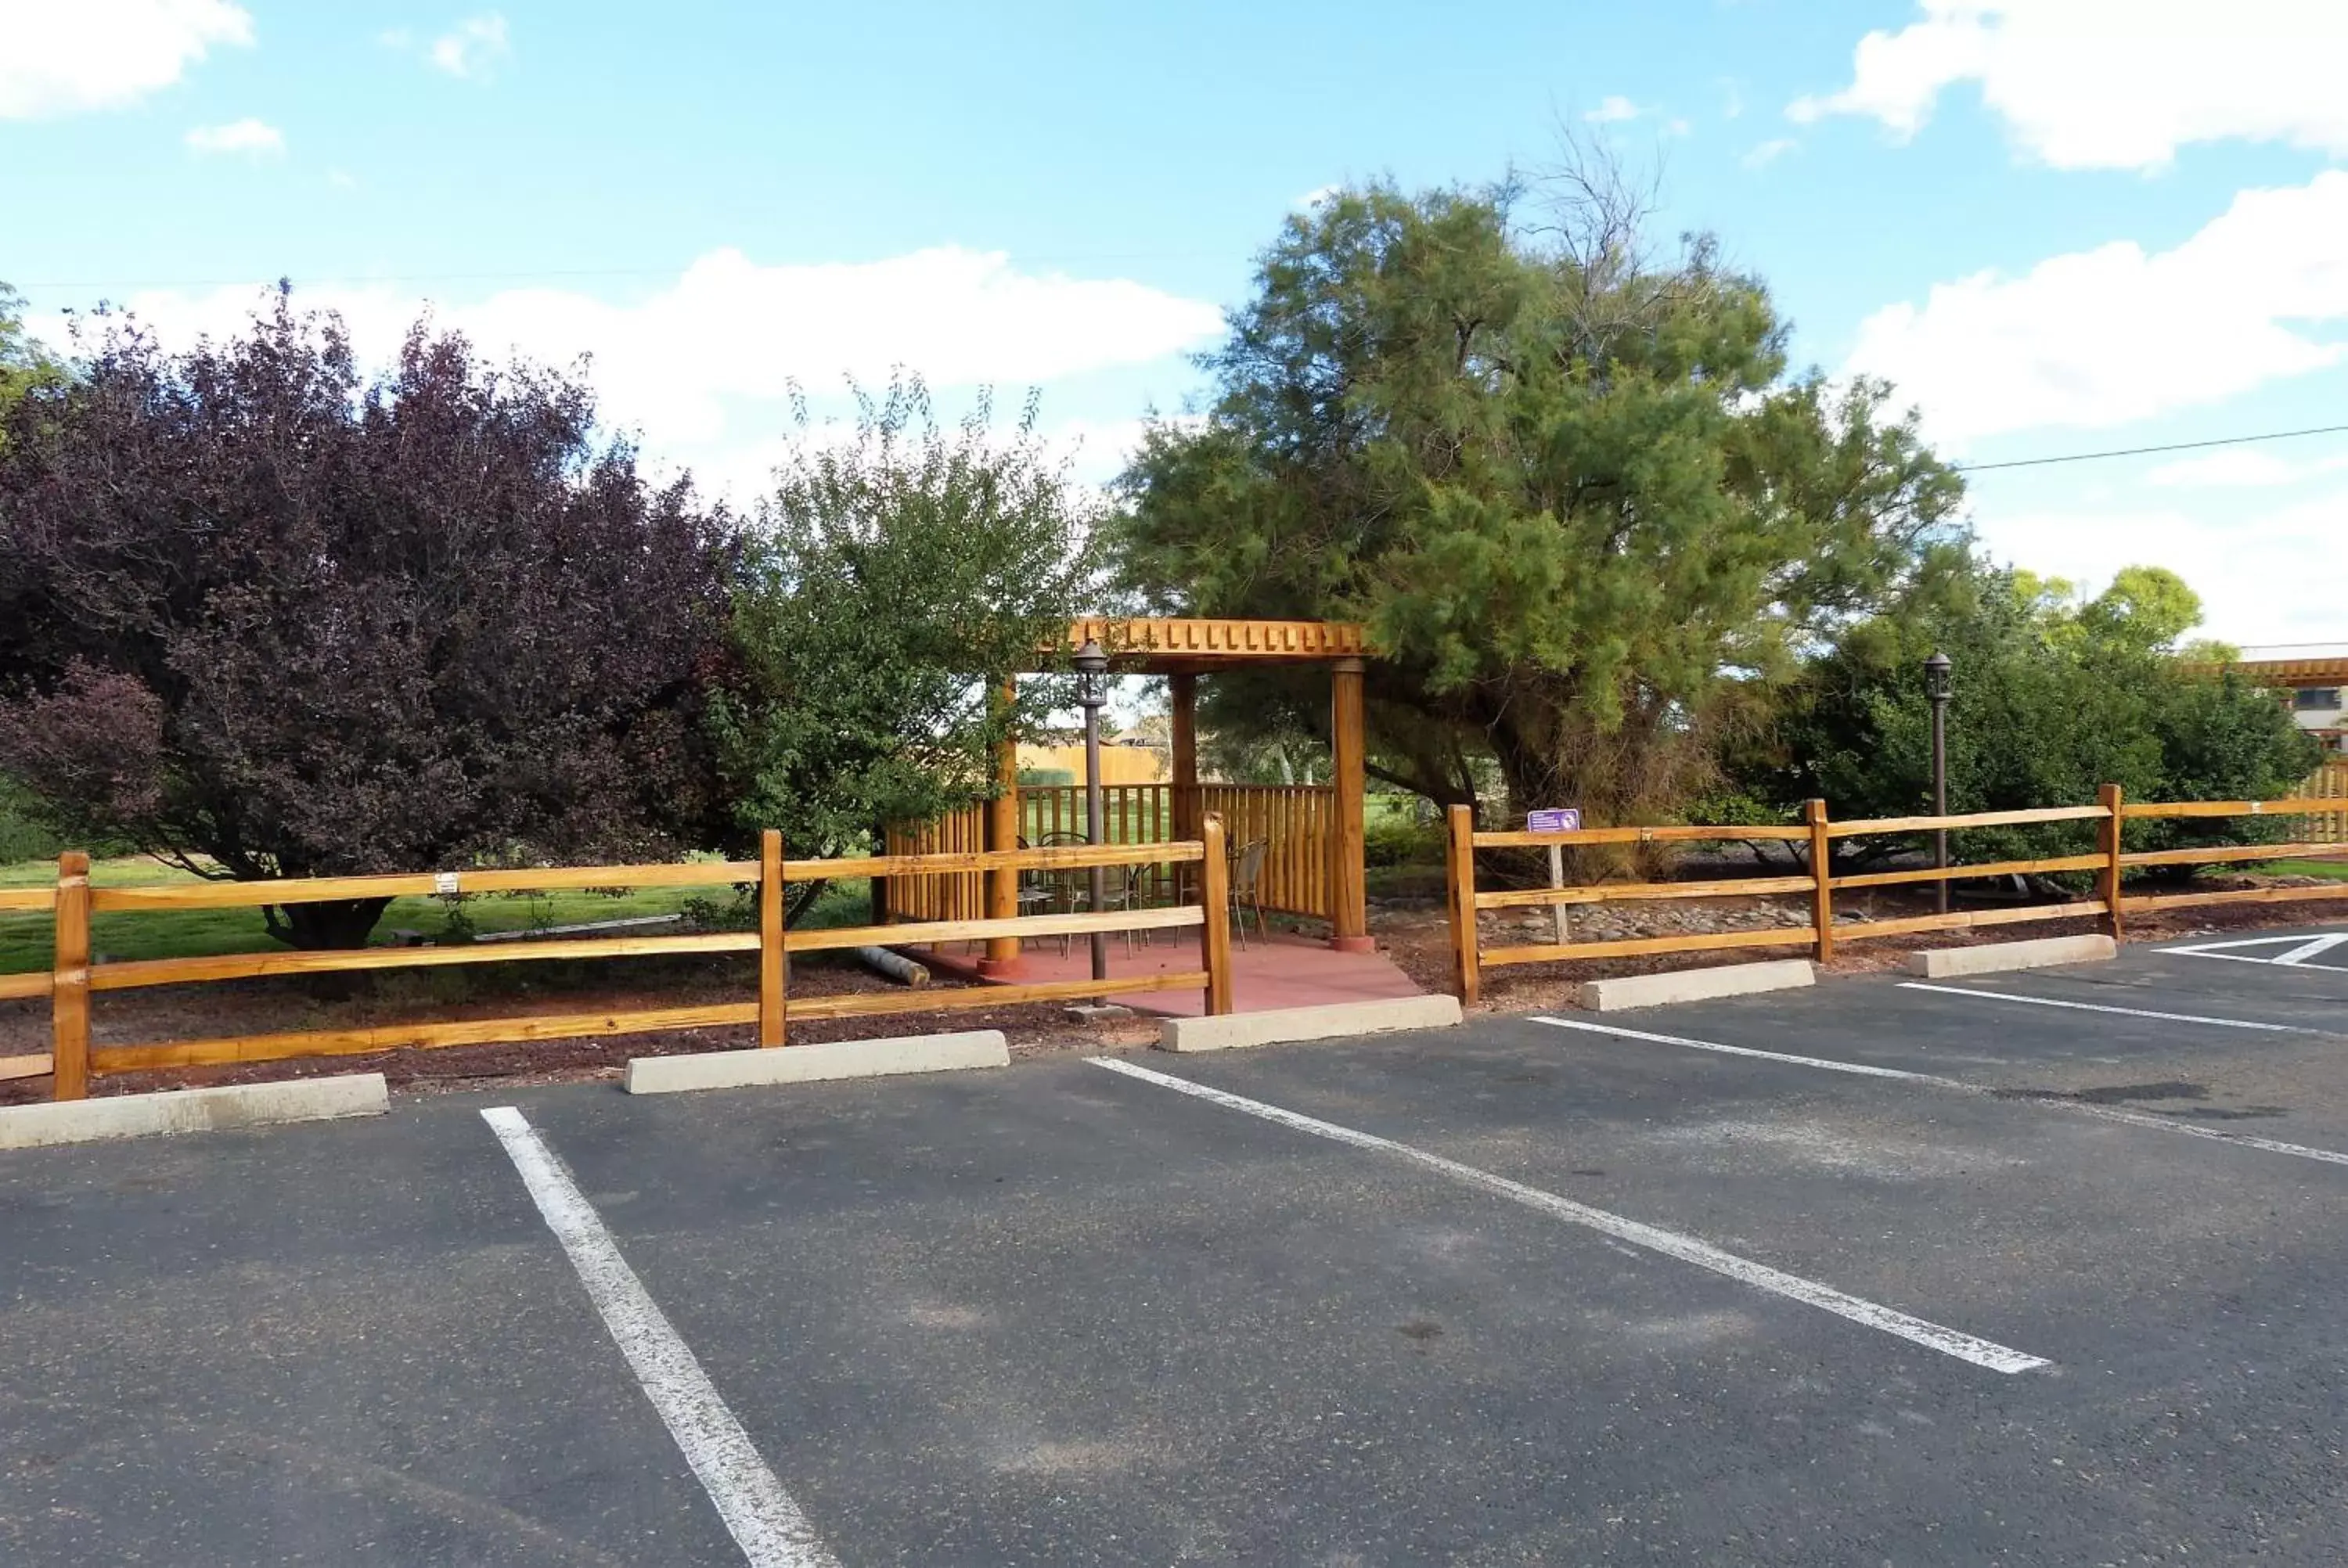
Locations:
column 25, row 940
column 2336, row 870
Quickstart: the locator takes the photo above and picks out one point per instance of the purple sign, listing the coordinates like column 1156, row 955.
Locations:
column 1564, row 819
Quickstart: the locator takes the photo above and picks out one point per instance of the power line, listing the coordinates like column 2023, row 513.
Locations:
column 2146, row 451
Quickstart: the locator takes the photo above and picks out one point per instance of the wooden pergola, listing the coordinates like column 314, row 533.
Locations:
column 1182, row 651
column 2320, row 665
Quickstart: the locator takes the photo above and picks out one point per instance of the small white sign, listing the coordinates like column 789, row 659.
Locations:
column 1563, row 819
column 444, row 883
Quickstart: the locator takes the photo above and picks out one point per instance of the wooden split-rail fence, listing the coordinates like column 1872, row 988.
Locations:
column 74, row 978
column 2321, row 819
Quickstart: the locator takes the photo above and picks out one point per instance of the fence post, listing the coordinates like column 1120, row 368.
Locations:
column 774, row 965
column 1215, row 903
column 1821, row 879
column 69, row 980
column 1459, row 882
column 2113, row 798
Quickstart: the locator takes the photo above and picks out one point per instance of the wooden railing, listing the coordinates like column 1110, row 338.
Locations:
column 1818, row 885
column 938, row 895
column 73, row 978
column 1295, row 820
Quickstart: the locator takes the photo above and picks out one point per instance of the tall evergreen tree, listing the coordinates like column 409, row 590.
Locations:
column 1586, row 512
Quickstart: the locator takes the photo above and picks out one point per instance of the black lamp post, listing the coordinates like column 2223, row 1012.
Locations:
column 1092, row 695
column 1937, row 671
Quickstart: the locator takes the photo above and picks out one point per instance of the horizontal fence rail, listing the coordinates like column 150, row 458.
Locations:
column 2323, row 833
column 74, row 978
column 2324, row 836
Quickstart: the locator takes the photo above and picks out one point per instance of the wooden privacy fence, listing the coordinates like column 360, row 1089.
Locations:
column 72, row 1057
column 1295, row 820
column 2330, row 783
column 1818, row 885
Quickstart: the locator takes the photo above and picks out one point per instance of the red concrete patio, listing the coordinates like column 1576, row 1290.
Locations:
column 1275, row 971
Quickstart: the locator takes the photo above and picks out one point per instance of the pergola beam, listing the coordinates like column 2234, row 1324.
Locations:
column 1197, row 645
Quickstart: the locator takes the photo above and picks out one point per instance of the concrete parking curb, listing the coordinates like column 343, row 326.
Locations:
column 1694, row 985
column 1953, row 963
column 815, row 1063
column 192, row 1110
column 1330, row 1021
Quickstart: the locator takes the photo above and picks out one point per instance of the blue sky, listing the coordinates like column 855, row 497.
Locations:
column 2059, row 225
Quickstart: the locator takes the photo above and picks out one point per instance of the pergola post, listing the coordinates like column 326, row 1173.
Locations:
column 1003, row 960
column 1349, row 906
column 1184, row 689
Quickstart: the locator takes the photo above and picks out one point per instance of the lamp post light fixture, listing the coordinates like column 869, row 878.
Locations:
column 1937, row 671
column 1092, row 695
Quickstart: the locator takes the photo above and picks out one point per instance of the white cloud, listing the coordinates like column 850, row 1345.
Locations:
column 2098, row 338
column 1314, row 196
column 1613, row 109
column 342, row 180
column 701, row 367
column 2113, row 84
column 2261, row 575
column 64, row 56
column 473, row 47
column 2241, row 468
column 1098, row 450
column 248, row 135
column 1763, row 154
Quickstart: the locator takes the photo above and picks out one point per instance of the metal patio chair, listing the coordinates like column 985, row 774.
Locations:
column 1072, row 890
column 1247, row 880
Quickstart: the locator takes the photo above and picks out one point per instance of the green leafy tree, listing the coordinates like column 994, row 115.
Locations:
column 891, row 585
column 2054, row 695
column 1586, row 513
column 24, row 364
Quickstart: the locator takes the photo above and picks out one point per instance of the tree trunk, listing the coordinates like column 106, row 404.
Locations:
column 318, row 928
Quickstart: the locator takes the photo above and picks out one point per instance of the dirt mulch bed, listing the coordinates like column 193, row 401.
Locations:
column 268, row 1007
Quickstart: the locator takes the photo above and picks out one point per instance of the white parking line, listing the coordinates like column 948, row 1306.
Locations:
column 1669, row 1244
column 2300, row 954
column 1860, row 1068
column 2079, row 1107
column 765, row 1522
column 2101, row 1007
column 2298, row 957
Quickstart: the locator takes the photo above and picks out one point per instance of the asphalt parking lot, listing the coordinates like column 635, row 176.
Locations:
column 2044, row 1268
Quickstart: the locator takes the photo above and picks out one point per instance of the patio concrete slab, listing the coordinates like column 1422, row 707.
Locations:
column 1275, row 971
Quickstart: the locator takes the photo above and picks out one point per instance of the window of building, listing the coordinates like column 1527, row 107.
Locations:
column 2314, row 698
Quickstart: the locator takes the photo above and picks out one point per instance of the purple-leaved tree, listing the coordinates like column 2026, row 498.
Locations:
column 265, row 617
